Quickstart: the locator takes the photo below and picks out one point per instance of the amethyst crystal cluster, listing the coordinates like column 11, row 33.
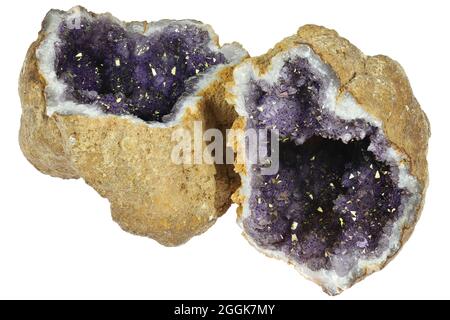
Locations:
column 126, row 72
column 331, row 197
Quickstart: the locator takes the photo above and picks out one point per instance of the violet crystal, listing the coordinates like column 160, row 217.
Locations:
column 331, row 198
column 126, row 72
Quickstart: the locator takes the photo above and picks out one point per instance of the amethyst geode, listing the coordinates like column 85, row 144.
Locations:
column 127, row 72
column 106, row 101
column 339, row 204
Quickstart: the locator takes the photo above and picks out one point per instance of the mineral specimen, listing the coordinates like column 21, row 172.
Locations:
column 101, row 99
column 352, row 157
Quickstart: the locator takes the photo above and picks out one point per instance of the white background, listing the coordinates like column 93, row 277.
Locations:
column 57, row 239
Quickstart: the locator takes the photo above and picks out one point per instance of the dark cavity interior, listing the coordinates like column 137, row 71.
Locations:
column 126, row 72
column 331, row 202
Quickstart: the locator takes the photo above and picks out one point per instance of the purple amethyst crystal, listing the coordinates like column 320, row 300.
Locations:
column 126, row 72
column 331, row 197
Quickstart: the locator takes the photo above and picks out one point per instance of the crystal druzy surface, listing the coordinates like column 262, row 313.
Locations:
column 332, row 201
column 126, row 72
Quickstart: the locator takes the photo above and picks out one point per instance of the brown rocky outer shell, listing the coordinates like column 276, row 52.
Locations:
column 381, row 87
column 39, row 136
column 128, row 162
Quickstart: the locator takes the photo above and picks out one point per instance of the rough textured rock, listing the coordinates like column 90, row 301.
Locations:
column 127, row 159
column 353, row 169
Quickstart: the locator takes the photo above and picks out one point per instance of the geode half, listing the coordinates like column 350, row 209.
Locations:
column 101, row 99
column 352, row 157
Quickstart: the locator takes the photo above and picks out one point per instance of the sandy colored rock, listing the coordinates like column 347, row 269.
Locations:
column 129, row 162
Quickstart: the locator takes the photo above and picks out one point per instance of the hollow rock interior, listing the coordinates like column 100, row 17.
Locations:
column 126, row 72
column 334, row 200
